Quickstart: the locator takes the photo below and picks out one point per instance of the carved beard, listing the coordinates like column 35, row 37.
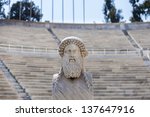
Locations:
column 72, row 67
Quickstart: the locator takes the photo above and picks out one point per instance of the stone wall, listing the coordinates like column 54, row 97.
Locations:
column 108, row 26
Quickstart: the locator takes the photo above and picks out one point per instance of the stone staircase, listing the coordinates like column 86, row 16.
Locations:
column 142, row 37
column 131, row 40
column 97, row 39
column 54, row 36
column 139, row 39
column 7, row 91
column 30, row 76
column 27, row 36
column 122, row 78
column 34, row 74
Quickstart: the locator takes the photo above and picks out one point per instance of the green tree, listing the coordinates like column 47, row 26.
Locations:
column 26, row 11
column 145, row 8
column 111, row 14
column 136, row 12
column 139, row 10
column 2, row 10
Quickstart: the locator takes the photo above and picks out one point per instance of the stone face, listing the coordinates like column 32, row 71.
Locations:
column 72, row 82
column 72, row 61
column 72, row 40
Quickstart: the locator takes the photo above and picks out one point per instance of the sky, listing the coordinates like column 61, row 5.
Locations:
column 93, row 10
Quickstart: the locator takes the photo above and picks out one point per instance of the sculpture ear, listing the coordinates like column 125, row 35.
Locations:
column 84, row 53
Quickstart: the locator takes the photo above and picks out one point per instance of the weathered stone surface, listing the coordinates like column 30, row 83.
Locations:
column 72, row 82
column 71, row 89
column 114, row 77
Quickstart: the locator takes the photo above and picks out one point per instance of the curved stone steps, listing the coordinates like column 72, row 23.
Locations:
column 6, row 90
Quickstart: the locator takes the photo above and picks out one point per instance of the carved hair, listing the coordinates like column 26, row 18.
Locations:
column 72, row 40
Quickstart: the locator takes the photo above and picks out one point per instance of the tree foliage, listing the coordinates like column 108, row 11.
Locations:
column 111, row 14
column 139, row 10
column 2, row 10
column 145, row 8
column 136, row 12
column 25, row 10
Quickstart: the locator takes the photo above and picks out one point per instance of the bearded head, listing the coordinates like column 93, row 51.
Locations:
column 72, row 51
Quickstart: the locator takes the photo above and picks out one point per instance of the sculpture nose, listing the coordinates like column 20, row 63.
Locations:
column 72, row 54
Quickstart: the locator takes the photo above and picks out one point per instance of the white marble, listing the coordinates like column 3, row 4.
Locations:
column 72, row 82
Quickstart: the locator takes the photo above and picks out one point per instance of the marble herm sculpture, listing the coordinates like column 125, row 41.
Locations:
column 72, row 82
